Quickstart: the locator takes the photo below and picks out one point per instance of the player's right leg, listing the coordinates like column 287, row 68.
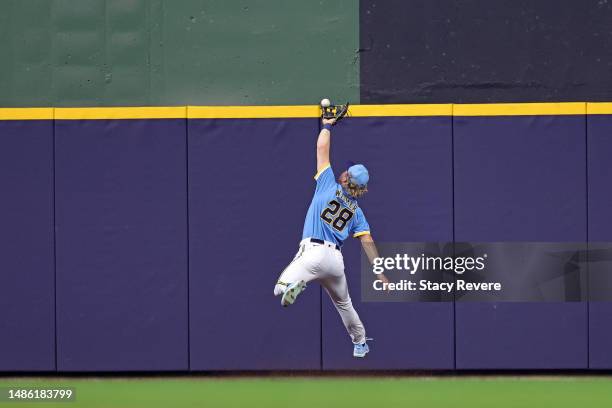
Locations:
column 336, row 287
column 337, row 290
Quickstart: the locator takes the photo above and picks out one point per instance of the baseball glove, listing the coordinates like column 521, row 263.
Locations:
column 335, row 111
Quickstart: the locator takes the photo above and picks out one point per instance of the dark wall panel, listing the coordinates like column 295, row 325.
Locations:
column 520, row 179
column 410, row 198
column 249, row 187
column 424, row 51
column 121, row 207
column 27, row 323
column 600, row 230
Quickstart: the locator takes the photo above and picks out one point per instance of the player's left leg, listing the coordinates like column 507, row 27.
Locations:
column 303, row 269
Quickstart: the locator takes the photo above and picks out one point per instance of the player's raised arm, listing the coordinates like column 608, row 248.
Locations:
column 323, row 144
column 330, row 115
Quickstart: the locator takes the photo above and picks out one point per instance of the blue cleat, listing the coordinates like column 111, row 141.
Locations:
column 360, row 350
column 292, row 292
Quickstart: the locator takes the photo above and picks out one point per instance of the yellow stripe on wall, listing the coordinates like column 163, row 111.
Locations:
column 313, row 111
column 26, row 113
column 401, row 110
column 152, row 112
column 599, row 108
column 520, row 109
column 252, row 112
column 307, row 111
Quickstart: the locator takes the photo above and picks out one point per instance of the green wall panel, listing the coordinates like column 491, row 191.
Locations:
column 25, row 53
column 155, row 52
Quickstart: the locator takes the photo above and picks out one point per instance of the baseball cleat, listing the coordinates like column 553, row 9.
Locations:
column 360, row 350
column 292, row 292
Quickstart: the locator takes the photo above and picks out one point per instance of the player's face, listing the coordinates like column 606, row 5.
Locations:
column 343, row 179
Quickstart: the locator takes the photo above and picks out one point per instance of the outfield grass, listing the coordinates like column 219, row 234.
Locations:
column 320, row 392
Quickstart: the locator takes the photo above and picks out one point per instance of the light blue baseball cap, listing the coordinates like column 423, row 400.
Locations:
column 358, row 175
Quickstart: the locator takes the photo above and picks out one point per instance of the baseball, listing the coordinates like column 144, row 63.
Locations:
column 325, row 103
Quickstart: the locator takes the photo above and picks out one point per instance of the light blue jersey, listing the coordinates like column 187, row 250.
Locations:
column 333, row 214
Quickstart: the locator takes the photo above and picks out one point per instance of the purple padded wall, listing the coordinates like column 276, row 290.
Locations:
column 121, row 228
column 121, row 245
column 520, row 179
column 27, row 322
column 600, row 229
column 410, row 199
column 249, row 188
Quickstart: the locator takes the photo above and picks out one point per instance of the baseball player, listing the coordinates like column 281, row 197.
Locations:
column 333, row 215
